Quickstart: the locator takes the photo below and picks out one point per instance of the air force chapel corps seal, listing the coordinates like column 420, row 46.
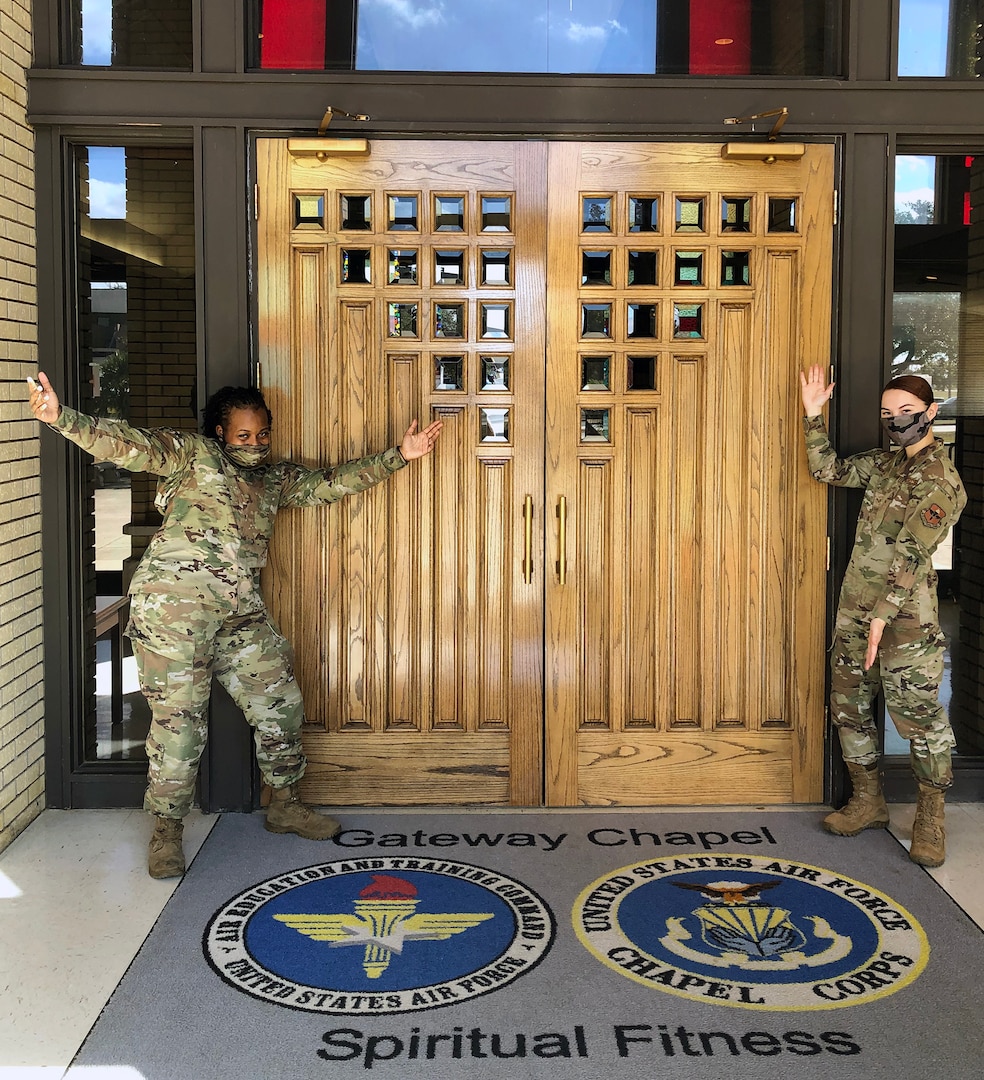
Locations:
column 751, row 932
column 376, row 936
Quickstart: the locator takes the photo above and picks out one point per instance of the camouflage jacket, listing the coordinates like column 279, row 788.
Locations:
column 910, row 504
column 218, row 517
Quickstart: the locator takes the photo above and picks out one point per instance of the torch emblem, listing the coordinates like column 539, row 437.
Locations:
column 385, row 917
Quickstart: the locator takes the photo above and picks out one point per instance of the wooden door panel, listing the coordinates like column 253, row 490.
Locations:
column 684, row 652
column 696, row 768
column 441, row 657
column 418, row 636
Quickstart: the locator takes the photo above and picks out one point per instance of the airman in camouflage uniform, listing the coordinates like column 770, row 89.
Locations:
column 887, row 631
column 196, row 610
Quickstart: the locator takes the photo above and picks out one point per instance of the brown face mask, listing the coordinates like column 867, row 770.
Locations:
column 906, row 428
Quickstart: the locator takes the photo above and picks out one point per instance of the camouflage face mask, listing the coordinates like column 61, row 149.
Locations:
column 247, row 456
column 905, row 429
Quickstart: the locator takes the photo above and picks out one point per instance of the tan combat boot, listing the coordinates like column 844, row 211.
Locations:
column 928, row 834
column 165, row 857
column 865, row 809
column 287, row 814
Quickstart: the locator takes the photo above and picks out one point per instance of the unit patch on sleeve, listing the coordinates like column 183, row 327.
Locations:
column 933, row 516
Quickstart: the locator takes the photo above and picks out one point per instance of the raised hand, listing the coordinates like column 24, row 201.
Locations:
column 417, row 444
column 43, row 400
column 816, row 392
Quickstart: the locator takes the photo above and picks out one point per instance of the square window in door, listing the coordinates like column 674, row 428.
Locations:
column 309, row 211
column 736, row 215
column 356, row 212
column 402, row 320
column 449, row 213
column 449, row 372
column 596, row 373
column 688, row 320
column 690, row 215
column 496, row 213
column 735, row 268
column 643, row 214
column 356, row 266
column 449, row 320
column 493, row 425
column 403, row 266
column 496, row 320
column 688, row 268
column 782, row 216
column 641, row 373
column 596, row 214
column 402, row 213
column 496, row 266
column 449, row 268
column 643, row 268
column 596, row 268
column 596, row 320
column 641, row 321
column 495, row 373
column 595, row 425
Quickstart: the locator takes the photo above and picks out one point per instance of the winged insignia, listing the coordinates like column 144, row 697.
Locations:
column 353, row 930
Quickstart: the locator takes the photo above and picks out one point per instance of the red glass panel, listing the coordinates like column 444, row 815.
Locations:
column 720, row 37
column 293, row 34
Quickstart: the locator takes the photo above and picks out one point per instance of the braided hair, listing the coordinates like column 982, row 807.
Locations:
column 222, row 402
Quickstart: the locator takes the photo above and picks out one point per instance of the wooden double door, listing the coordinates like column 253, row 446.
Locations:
column 606, row 585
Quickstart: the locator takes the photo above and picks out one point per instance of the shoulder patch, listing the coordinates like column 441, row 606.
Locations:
column 933, row 516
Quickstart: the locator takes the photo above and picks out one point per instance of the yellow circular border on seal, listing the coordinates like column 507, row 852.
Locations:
column 904, row 944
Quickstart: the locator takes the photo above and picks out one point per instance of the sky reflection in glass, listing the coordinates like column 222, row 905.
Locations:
column 589, row 36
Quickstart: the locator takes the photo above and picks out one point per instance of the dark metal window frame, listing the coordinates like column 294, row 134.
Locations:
column 222, row 106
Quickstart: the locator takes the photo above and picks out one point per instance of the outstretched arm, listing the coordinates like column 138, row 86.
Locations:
column 313, row 487
column 158, row 451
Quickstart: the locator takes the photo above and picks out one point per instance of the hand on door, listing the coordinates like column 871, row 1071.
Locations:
column 417, row 444
column 816, row 393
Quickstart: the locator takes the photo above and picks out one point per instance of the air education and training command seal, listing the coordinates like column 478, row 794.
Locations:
column 373, row 936
column 750, row 931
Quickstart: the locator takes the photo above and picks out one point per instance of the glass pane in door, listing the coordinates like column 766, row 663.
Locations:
column 936, row 333
column 138, row 363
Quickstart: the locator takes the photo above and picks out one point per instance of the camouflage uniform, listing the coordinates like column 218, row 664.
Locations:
column 196, row 610
column 910, row 504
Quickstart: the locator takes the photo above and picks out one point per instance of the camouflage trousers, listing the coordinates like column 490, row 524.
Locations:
column 179, row 647
column 908, row 669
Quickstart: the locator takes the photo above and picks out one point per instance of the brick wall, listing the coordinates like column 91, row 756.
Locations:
column 21, row 668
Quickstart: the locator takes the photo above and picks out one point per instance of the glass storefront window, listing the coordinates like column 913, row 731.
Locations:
column 131, row 33
column 137, row 357
column 938, row 333
column 940, row 38
column 594, row 37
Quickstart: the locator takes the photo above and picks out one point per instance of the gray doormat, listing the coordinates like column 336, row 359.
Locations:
column 558, row 945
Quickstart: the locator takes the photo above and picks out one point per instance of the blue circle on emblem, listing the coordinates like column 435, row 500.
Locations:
column 750, row 931
column 378, row 934
column 763, row 923
column 276, row 937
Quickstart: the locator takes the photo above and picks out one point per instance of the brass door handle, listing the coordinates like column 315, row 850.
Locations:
column 528, row 539
column 562, row 552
